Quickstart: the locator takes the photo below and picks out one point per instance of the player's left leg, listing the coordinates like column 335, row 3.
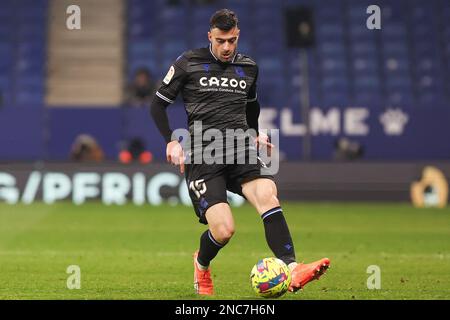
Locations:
column 262, row 194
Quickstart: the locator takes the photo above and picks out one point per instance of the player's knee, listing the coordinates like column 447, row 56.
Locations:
column 267, row 197
column 224, row 233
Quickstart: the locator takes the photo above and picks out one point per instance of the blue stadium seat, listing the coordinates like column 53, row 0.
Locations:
column 329, row 30
column 142, row 49
column 366, row 82
column 268, row 48
column 173, row 48
column 364, row 65
column 270, row 64
column 334, row 98
column 23, row 34
column 332, row 66
column 336, row 48
column 393, row 67
column 364, row 48
column 270, row 95
column 30, row 98
column 367, row 98
column 5, row 82
column 335, row 81
column 261, row 15
column 245, row 47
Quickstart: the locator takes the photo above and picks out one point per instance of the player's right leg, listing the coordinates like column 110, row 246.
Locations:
column 207, row 190
column 221, row 229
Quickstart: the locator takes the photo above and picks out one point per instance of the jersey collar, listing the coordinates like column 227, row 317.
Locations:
column 232, row 60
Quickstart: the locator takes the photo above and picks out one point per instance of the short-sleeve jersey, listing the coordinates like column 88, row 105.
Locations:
column 213, row 92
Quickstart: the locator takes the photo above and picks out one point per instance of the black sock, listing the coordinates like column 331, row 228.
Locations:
column 209, row 248
column 278, row 236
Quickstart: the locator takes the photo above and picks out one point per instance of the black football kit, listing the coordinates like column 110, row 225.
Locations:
column 217, row 96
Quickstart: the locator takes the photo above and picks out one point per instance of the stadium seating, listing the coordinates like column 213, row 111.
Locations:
column 405, row 65
column 23, row 51
column 401, row 66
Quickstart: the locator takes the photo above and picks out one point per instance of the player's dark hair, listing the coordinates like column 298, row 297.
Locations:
column 223, row 19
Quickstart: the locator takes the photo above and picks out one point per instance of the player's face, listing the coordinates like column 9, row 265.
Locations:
column 224, row 43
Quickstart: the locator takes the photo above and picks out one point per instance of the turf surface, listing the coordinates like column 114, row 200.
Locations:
column 131, row 252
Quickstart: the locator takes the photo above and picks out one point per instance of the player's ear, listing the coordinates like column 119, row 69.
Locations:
column 209, row 36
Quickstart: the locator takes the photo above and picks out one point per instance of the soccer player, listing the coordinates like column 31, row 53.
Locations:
column 218, row 86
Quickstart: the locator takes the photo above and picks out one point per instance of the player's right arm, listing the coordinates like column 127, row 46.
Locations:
column 164, row 96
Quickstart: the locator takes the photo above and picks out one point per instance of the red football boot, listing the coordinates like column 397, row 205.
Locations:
column 305, row 273
column 202, row 279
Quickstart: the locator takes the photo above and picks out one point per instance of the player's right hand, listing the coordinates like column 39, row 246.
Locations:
column 262, row 141
column 175, row 154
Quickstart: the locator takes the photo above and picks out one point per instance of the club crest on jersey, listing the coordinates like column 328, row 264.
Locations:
column 240, row 72
column 169, row 75
column 222, row 82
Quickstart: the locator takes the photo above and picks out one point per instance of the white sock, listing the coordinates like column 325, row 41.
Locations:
column 292, row 265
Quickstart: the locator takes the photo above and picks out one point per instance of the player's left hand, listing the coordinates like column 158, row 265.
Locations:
column 263, row 140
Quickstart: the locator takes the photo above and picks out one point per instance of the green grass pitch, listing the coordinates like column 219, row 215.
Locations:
column 130, row 252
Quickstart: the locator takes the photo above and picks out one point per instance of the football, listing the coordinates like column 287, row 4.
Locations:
column 270, row 278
